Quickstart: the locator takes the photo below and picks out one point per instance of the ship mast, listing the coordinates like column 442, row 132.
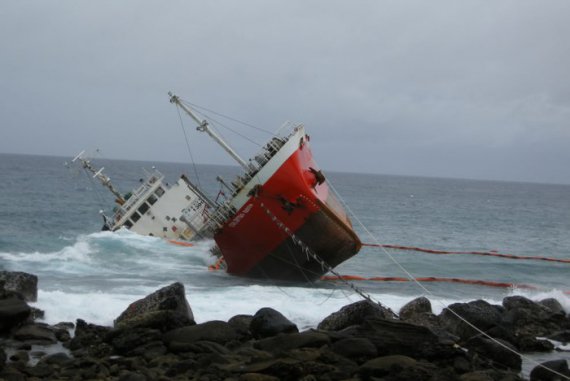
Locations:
column 203, row 126
column 105, row 180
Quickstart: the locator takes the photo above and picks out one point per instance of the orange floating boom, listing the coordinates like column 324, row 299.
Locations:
column 484, row 253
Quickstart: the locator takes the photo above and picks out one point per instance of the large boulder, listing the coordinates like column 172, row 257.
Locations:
column 478, row 313
column 268, row 322
column 13, row 312
column 23, row 283
column 355, row 314
column 164, row 309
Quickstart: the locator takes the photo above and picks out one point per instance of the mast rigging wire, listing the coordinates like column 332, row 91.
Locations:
column 188, row 147
column 227, row 117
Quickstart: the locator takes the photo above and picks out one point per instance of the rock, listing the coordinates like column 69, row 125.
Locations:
column 257, row 377
column 355, row 348
column 561, row 336
column 13, row 312
column 165, row 309
column 88, row 337
column 241, row 324
column 417, row 306
column 23, row 283
column 480, row 375
column 532, row 344
column 130, row 341
column 553, row 305
column 217, row 331
column 59, row 359
column 479, row 313
column 285, row 342
column 527, row 318
column 393, row 337
column 3, row 359
column 269, row 322
column 41, row 370
column 404, row 367
column 502, row 354
column 539, row 311
column 36, row 333
column 543, row 371
column 355, row 314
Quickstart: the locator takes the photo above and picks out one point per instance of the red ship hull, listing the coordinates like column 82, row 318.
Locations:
column 254, row 245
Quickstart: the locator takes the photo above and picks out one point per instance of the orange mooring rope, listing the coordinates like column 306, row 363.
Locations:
column 435, row 279
column 491, row 253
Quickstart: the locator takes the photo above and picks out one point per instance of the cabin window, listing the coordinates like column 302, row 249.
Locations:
column 159, row 192
column 152, row 199
column 135, row 217
column 167, row 218
column 143, row 208
column 188, row 198
column 128, row 224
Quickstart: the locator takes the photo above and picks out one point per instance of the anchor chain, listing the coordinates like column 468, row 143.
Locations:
column 311, row 254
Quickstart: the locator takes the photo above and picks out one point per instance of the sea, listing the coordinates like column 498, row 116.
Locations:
column 50, row 225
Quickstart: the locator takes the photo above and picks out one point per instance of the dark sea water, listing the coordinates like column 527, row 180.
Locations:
column 49, row 226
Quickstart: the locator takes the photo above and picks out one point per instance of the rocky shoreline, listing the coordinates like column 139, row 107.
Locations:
column 156, row 338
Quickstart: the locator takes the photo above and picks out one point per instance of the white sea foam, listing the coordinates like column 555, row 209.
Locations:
column 78, row 252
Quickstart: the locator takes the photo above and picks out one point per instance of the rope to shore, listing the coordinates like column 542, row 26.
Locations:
column 415, row 280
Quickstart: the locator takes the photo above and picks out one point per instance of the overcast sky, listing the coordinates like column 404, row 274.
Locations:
column 469, row 89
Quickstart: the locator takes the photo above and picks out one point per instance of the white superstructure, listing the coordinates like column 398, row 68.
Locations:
column 179, row 211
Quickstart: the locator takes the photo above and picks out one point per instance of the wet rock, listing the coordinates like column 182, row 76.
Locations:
column 479, row 313
column 3, row 358
column 89, row 339
column 532, row 344
column 257, row 377
column 355, row 348
column 36, row 333
column 22, row 283
column 527, row 318
column 399, row 367
column 285, row 342
column 355, row 314
column 130, row 341
column 543, row 372
column 165, row 309
column 393, row 337
column 417, row 306
column 12, row 374
column 268, row 322
column 41, row 370
column 241, row 324
column 59, row 359
column 501, row 353
column 520, row 302
column 13, row 312
column 217, row 331
column 561, row 336
column 554, row 306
